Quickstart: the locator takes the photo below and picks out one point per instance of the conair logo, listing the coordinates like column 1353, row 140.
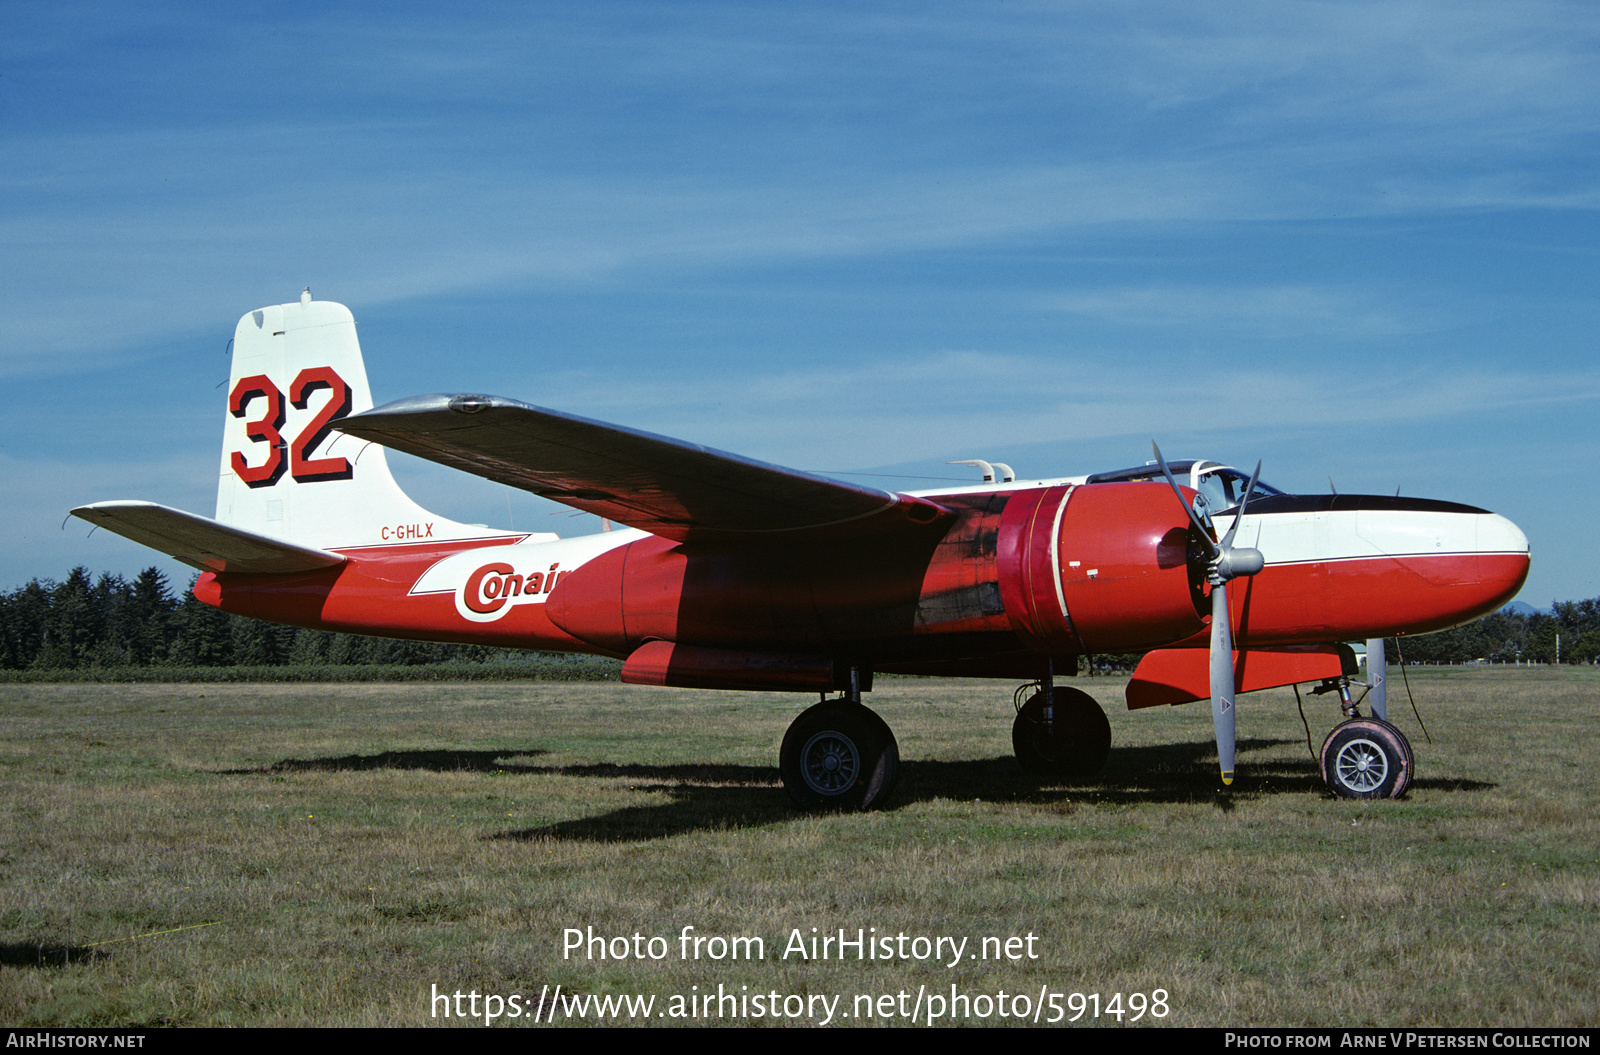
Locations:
column 490, row 590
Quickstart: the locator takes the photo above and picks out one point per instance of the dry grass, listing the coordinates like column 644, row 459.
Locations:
column 353, row 845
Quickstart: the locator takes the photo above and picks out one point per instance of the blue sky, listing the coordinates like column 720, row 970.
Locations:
column 1357, row 240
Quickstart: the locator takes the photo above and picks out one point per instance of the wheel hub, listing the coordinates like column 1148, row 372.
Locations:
column 1361, row 765
column 830, row 763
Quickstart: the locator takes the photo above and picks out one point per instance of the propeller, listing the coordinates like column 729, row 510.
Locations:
column 1224, row 562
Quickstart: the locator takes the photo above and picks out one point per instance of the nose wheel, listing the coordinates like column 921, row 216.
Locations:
column 1365, row 758
column 839, row 755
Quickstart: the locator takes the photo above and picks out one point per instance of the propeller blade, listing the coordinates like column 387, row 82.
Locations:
column 1222, row 711
column 1250, row 489
column 1193, row 516
column 1225, row 562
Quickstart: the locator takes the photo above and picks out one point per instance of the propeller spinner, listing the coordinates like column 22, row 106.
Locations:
column 1225, row 562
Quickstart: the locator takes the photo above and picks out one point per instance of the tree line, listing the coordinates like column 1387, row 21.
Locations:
column 83, row 622
column 1569, row 633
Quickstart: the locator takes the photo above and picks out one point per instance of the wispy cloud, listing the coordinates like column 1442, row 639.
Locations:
column 831, row 134
column 939, row 405
column 1271, row 311
column 1216, row 210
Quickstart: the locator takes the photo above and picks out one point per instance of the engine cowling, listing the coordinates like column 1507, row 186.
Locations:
column 1098, row 568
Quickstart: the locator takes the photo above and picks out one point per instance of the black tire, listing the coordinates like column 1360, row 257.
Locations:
column 1073, row 745
column 1365, row 758
column 839, row 756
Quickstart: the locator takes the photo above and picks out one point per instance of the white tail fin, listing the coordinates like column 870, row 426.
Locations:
column 296, row 369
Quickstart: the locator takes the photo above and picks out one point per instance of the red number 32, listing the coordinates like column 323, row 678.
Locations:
column 266, row 428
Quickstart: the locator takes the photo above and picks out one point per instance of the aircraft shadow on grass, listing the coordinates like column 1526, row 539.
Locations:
column 717, row 796
column 442, row 760
column 45, row 954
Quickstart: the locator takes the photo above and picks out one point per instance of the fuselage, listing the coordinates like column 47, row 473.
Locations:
column 1014, row 573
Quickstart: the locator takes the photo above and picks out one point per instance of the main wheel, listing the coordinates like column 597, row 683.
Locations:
column 1073, row 743
column 1365, row 758
column 839, row 756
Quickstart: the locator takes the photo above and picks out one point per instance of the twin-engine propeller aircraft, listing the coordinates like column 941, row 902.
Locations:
column 737, row 574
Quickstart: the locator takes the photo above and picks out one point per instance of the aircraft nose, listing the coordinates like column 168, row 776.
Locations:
column 1496, row 534
column 1451, row 564
column 1346, row 567
column 1504, row 557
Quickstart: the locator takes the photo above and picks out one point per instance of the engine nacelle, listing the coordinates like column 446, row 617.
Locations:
column 1098, row 568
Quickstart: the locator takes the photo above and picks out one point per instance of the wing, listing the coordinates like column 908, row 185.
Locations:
column 201, row 542
column 667, row 487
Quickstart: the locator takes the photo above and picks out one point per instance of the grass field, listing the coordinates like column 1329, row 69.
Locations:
column 336, row 852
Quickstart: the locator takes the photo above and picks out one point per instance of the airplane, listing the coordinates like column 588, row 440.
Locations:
column 730, row 573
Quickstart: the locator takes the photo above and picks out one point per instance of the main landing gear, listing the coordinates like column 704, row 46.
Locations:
column 1060, row 734
column 1366, row 758
column 838, row 755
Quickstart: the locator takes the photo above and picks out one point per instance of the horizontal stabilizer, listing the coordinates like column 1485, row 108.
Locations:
column 664, row 486
column 201, row 542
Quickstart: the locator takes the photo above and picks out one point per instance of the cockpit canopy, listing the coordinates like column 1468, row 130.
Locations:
column 1222, row 485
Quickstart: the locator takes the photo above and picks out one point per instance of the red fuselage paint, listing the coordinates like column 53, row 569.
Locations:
column 1012, row 577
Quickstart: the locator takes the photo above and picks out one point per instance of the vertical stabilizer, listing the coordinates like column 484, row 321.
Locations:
column 297, row 369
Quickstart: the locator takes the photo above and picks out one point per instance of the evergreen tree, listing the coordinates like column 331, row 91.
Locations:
column 74, row 624
column 23, row 618
column 204, row 635
column 150, row 610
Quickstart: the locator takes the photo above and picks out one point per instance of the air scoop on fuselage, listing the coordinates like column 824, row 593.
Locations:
column 1348, row 567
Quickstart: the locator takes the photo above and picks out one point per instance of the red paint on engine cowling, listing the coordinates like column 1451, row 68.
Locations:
column 1027, row 573
column 1124, row 565
column 1119, row 561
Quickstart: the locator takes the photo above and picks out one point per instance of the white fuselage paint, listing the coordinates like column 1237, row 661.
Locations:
column 1361, row 534
column 488, row 582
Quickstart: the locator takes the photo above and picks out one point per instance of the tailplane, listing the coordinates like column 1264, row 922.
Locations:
column 203, row 543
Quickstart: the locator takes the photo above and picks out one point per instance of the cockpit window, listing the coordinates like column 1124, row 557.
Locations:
column 1224, row 487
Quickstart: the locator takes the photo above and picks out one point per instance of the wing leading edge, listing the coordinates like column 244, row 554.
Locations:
column 667, row 487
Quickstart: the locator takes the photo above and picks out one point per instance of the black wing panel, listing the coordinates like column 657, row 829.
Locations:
column 667, row 487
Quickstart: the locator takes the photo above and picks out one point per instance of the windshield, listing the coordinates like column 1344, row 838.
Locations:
column 1224, row 487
